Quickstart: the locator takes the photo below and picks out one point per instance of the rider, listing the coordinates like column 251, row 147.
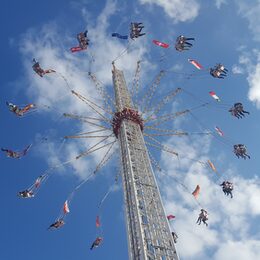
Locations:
column 227, row 188
column 83, row 39
column 136, row 29
column 25, row 194
column 219, row 71
column 10, row 153
column 182, row 43
column 203, row 216
column 57, row 224
column 96, row 243
column 240, row 151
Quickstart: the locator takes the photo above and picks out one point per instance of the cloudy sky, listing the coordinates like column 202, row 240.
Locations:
column 225, row 31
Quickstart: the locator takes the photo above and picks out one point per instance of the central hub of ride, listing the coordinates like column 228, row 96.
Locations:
column 126, row 114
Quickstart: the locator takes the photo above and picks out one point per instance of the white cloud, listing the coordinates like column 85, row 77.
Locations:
column 178, row 10
column 250, row 10
column 237, row 69
column 219, row 3
column 240, row 250
column 254, row 83
column 250, row 63
column 52, row 90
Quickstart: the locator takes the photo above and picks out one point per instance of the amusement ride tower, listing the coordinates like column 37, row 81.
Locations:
column 148, row 230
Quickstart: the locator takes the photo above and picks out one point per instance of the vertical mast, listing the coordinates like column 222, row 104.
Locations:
column 148, row 231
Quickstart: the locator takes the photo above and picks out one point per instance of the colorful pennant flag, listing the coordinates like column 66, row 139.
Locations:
column 66, row 207
column 169, row 217
column 161, row 44
column 195, row 63
column 212, row 166
column 219, row 131
column 97, row 222
column 38, row 181
column 196, row 192
column 75, row 49
column 213, row 94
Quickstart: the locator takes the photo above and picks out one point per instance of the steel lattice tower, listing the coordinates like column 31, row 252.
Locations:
column 148, row 231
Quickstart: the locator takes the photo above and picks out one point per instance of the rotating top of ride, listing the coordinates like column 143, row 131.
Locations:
column 126, row 114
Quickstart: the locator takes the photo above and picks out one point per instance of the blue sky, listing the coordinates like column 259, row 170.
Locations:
column 224, row 31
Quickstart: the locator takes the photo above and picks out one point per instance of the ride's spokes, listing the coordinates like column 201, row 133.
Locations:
column 86, row 117
column 178, row 134
column 65, row 80
column 162, row 103
column 96, row 149
column 86, row 121
column 150, row 92
column 162, row 117
column 64, row 211
column 91, row 132
column 151, row 128
column 95, row 145
column 101, row 108
column 101, row 164
column 87, row 136
column 106, row 158
column 103, row 93
column 166, row 134
column 165, row 118
column 161, row 148
column 162, row 145
column 91, row 105
column 123, row 52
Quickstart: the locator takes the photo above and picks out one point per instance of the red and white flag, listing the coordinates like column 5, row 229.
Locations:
column 195, row 63
column 213, row 94
column 219, row 131
column 161, row 44
column 66, row 207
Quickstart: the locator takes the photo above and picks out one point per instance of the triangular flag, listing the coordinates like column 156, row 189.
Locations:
column 196, row 192
column 66, row 207
column 75, row 49
column 161, row 44
column 169, row 217
column 213, row 94
column 38, row 181
column 219, row 131
column 195, row 63
column 212, row 166
column 98, row 222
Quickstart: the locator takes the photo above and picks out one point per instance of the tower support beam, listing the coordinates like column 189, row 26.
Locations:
column 148, row 231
